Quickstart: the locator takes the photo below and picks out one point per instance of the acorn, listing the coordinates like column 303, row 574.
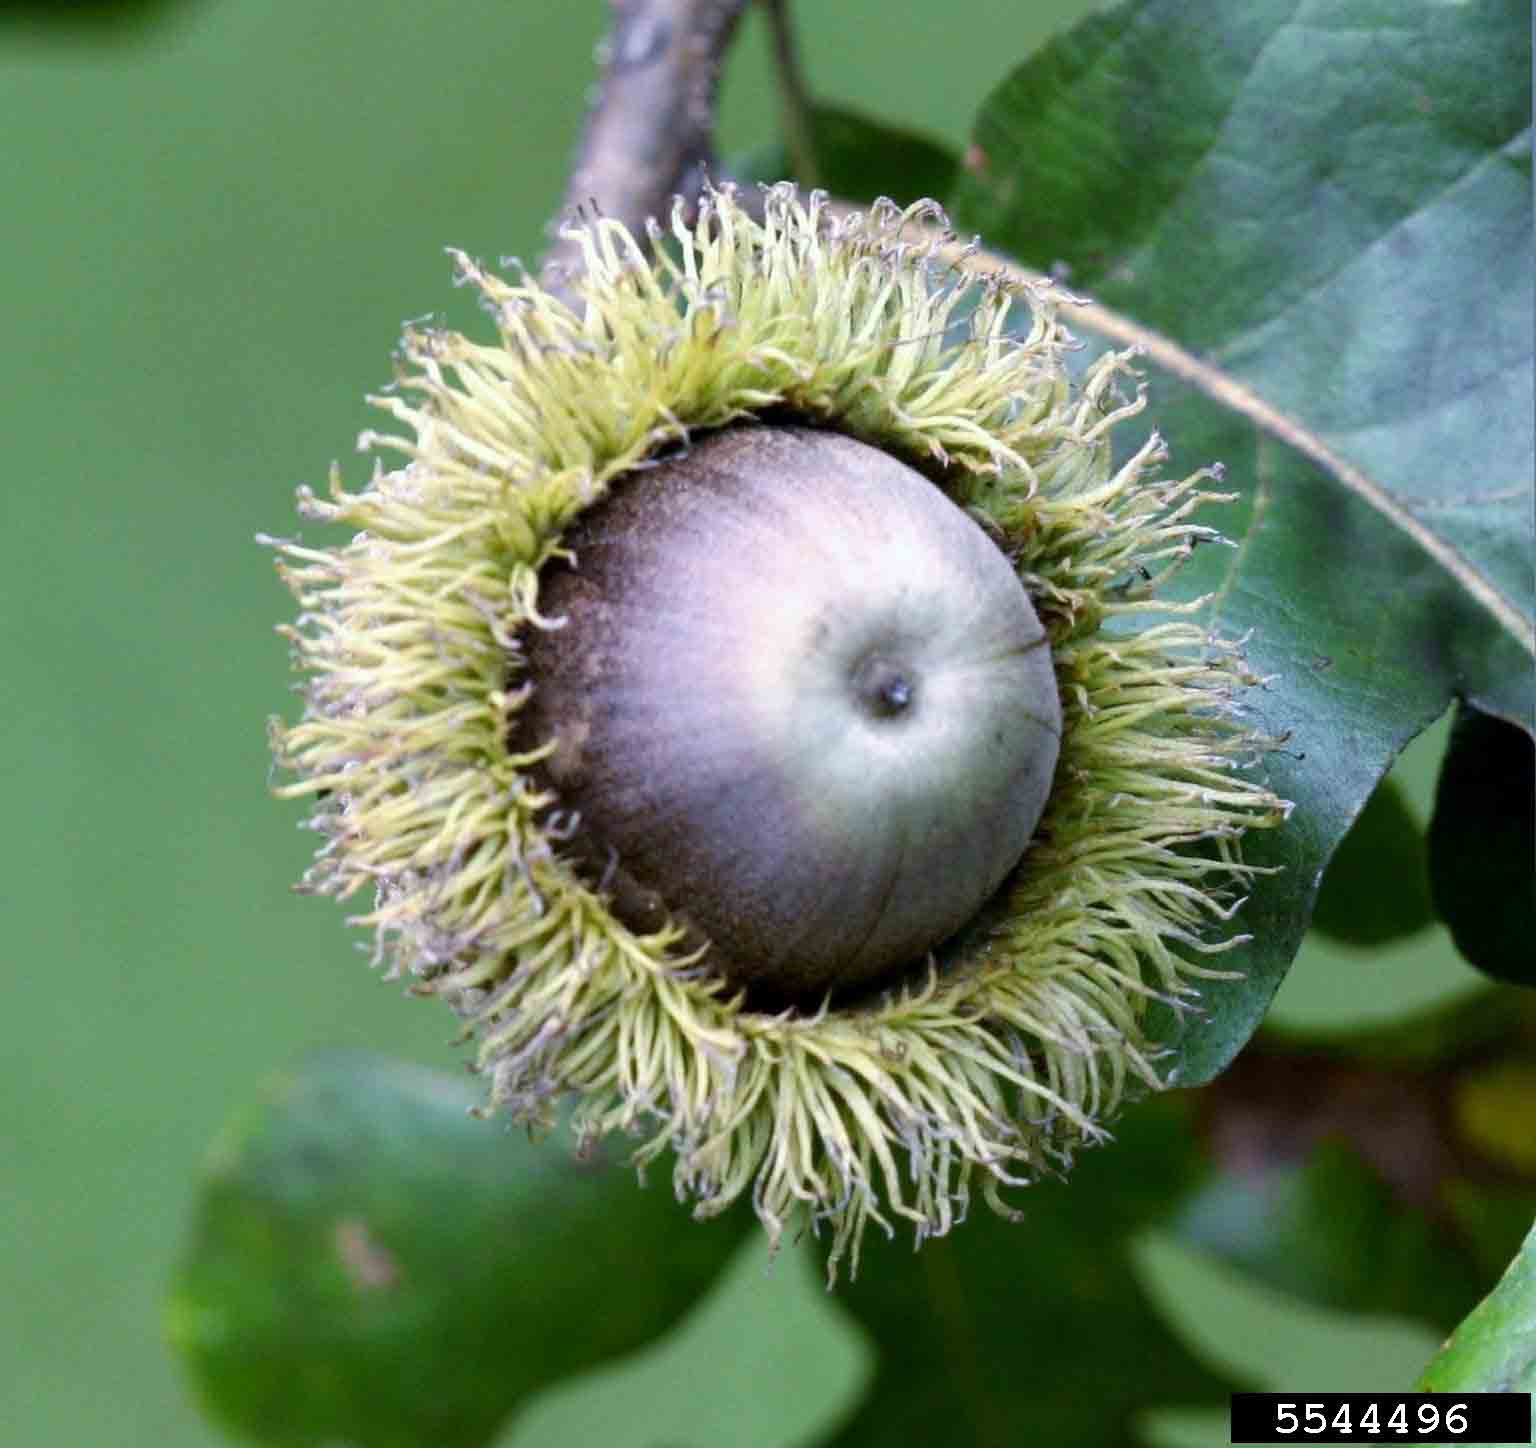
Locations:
column 752, row 707
column 800, row 700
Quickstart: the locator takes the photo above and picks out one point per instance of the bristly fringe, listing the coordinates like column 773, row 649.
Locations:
column 988, row 1068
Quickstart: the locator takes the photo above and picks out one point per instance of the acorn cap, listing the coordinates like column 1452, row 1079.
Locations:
column 801, row 703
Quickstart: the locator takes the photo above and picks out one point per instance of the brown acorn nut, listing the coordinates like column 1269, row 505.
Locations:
column 801, row 703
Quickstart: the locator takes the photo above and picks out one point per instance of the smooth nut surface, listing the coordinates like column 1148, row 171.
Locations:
column 802, row 704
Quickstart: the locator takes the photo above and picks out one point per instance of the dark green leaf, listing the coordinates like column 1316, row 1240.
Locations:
column 860, row 159
column 1494, row 1350
column 1034, row 1331
column 1376, row 888
column 1482, row 846
column 1329, row 210
column 369, row 1264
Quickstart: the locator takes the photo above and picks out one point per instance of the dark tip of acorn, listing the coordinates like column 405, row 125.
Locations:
column 883, row 687
column 801, row 703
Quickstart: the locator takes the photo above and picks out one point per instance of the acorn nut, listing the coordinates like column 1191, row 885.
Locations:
column 801, row 703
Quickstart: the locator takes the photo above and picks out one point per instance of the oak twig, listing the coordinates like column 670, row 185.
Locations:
column 650, row 132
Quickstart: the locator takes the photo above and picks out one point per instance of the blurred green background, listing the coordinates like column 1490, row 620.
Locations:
column 216, row 218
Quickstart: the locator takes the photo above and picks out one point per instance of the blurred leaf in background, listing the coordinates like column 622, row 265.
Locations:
column 1385, row 843
column 369, row 1263
column 767, row 1359
column 1482, row 844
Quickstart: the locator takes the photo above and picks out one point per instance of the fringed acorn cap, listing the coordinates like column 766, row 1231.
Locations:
column 751, row 708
